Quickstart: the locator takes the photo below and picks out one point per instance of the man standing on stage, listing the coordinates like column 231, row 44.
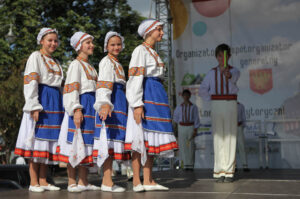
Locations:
column 219, row 86
column 186, row 115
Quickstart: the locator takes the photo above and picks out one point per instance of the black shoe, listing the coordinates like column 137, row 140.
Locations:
column 246, row 170
column 228, row 180
column 220, row 180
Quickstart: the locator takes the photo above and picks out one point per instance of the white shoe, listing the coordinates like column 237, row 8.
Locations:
column 91, row 187
column 74, row 188
column 114, row 188
column 156, row 187
column 138, row 188
column 82, row 187
column 51, row 187
column 36, row 188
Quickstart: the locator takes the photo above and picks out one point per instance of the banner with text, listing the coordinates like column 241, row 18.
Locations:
column 265, row 42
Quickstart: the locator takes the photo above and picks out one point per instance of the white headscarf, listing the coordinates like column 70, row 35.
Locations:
column 78, row 38
column 147, row 26
column 43, row 32
column 109, row 35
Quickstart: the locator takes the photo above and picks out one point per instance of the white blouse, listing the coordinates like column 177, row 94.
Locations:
column 81, row 78
column 110, row 72
column 40, row 69
column 187, row 113
column 208, row 85
column 145, row 62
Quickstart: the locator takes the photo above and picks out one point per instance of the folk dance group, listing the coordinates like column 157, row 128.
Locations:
column 92, row 119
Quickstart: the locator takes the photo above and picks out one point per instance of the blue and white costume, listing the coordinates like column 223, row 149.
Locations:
column 42, row 83
column 144, row 88
column 79, row 93
column 111, row 90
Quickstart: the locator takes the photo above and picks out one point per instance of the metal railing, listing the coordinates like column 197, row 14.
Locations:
column 270, row 140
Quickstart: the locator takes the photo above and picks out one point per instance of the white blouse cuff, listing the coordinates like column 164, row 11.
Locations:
column 32, row 106
column 74, row 107
column 137, row 104
column 98, row 104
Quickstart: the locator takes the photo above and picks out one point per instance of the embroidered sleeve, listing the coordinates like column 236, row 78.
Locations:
column 69, row 88
column 72, row 88
column 134, row 86
column 136, row 71
column 32, row 76
column 105, row 84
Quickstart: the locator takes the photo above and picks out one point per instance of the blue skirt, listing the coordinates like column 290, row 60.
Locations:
column 157, row 111
column 50, row 119
column 116, row 124
column 87, row 100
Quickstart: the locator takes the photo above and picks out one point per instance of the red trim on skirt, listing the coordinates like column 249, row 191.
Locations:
column 116, row 156
column 88, row 160
column 155, row 150
column 36, row 154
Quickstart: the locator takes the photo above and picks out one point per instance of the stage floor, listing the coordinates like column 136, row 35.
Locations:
column 258, row 184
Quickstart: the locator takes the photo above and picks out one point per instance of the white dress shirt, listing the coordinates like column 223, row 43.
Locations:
column 187, row 113
column 208, row 85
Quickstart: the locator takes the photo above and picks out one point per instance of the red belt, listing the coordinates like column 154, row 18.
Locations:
column 224, row 97
column 186, row 124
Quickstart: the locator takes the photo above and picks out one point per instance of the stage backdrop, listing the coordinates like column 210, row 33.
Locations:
column 265, row 41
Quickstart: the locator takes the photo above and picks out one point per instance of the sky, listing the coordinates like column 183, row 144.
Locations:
column 143, row 7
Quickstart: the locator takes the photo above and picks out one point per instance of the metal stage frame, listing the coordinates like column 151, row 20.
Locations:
column 163, row 14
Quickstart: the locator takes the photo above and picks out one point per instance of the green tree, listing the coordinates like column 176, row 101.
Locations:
column 67, row 16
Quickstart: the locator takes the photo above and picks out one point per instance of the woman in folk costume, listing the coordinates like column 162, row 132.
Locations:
column 77, row 133
column 43, row 111
column 111, row 105
column 149, row 129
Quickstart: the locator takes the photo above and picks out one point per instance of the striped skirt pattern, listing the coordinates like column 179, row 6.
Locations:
column 47, row 128
column 115, row 126
column 65, row 141
column 157, row 123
